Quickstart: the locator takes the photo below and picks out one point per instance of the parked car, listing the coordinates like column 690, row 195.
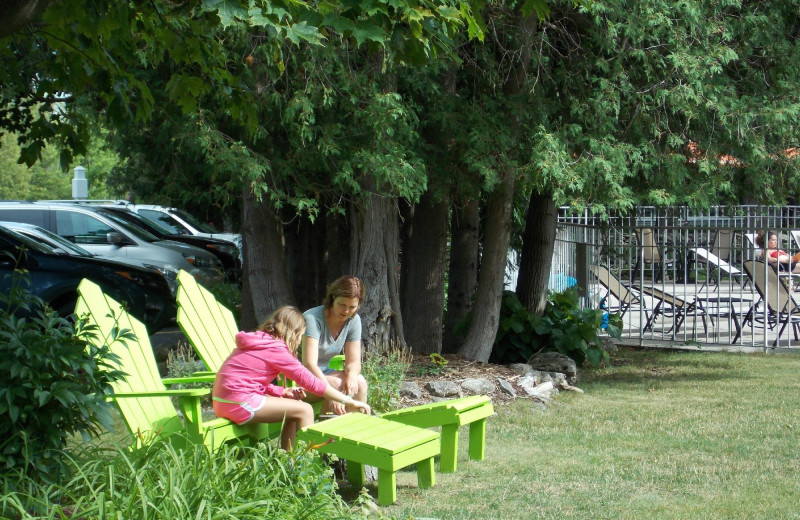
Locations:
column 63, row 246
column 54, row 277
column 225, row 251
column 103, row 233
column 182, row 222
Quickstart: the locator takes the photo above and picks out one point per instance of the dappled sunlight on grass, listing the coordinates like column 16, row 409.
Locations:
column 656, row 435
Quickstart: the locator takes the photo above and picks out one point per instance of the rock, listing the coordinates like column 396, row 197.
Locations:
column 506, row 387
column 571, row 388
column 521, row 368
column 442, row 388
column 477, row 386
column 410, row 389
column 544, row 391
column 528, row 381
column 555, row 362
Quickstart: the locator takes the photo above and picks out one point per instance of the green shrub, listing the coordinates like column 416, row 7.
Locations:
column 384, row 369
column 159, row 481
column 53, row 384
column 563, row 327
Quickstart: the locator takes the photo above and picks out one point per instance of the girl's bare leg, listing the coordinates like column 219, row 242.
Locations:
column 294, row 415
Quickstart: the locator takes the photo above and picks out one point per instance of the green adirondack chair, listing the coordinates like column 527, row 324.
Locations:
column 143, row 399
column 209, row 326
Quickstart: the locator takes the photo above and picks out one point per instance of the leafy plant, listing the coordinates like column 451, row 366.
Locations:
column 435, row 367
column 53, row 383
column 160, row 481
column 563, row 327
column 384, row 368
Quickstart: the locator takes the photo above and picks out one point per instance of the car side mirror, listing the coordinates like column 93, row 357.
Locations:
column 114, row 237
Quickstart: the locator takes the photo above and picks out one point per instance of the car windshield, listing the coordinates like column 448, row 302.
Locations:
column 188, row 217
column 166, row 221
column 33, row 245
column 146, row 224
column 131, row 228
column 55, row 241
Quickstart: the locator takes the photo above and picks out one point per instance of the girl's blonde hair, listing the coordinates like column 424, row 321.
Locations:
column 287, row 324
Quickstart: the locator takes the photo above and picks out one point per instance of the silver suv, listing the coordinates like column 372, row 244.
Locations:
column 100, row 232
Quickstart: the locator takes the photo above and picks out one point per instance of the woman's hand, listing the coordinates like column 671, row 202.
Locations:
column 294, row 392
column 351, row 384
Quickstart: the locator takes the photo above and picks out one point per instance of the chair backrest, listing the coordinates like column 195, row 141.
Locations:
column 796, row 237
column 649, row 247
column 613, row 284
column 723, row 241
column 143, row 415
column 664, row 296
column 751, row 238
column 208, row 325
column 714, row 260
column 776, row 295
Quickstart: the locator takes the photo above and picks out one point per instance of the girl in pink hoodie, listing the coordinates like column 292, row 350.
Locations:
column 243, row 389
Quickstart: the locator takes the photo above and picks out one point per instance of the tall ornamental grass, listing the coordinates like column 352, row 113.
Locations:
column 158, row 482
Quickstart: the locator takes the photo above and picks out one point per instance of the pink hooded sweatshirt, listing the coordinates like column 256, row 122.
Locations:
column 255, row 362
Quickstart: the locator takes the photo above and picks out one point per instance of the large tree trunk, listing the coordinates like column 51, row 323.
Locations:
column 376, row 240
column 462, row 279
column 422, row 275
column 537, row 252
column 265, row 283
column 497, row 235
column 305, row 254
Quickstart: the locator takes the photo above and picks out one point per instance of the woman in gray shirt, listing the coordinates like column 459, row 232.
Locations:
column 332, row 328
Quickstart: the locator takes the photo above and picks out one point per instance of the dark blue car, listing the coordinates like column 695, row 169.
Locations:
column 54, row 278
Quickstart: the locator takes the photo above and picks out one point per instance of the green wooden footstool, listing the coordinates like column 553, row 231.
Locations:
column 388, row 445
column 451, row 415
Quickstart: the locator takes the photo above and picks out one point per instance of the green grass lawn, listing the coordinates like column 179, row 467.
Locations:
column 657, row 434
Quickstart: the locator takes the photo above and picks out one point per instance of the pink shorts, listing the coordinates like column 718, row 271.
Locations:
column 240, row 413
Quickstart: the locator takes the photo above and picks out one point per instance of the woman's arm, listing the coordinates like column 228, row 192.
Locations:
column 352, row 366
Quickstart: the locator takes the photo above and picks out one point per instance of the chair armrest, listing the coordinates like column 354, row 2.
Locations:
column 197, row 377
column 184, row 392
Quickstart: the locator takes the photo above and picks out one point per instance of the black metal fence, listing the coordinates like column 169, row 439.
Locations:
column 684, row 276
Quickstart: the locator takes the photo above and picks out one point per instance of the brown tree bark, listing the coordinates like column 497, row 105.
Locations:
column 486, row 315
column 462, row 279
column 537, row 252
column 422, row 280
column 265, row 282
column 376, row 241
column 497, row 235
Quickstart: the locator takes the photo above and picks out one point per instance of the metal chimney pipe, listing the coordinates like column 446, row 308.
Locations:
column 80, row 186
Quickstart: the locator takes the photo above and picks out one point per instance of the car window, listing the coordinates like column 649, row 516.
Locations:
column 33, row 216
column 164, row 220
column 138, row 220
column 192, row 220
column 82, row 228
column 129, row 227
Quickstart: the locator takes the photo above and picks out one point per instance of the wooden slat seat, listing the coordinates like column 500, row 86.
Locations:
column 451, row 415
column 388, row 445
